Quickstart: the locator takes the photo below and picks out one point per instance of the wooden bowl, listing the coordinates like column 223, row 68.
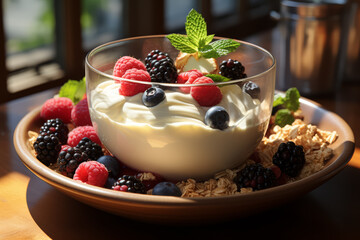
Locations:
column 172, row 210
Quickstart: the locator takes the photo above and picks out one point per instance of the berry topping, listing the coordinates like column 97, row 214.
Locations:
column 79, row 133
column 153, row 96
column 206, row 96
column 217, row 117
column 80, row 115
column 290, row 158
column 161, row 67
column 255, row 176
column 128, row 183
column 167, row 189
column 153, row 57
column 93, row 150
column 125, row 63
column 128, row 88
column 252, row 89
column 70, row 159
column 109, row 182
column 232, row 69
column 47, row 148
column 112, row 165
column 188, row 78
column 91, row 172
column 57, row 108
column 56, row 127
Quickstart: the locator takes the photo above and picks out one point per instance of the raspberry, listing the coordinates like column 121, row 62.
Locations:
column 91, row 172
column 125, row 63
column 206, row 96
column 188, row 77
column 130, row 88
column 57, row 108
column 79, row 133
column 64, row 147
column 80, row 115
column 56, row 127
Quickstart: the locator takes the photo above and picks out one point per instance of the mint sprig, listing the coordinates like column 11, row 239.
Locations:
column 197, row 40
column 284, row 117
column 217, row 77
column 74, row 90
column 289, row 104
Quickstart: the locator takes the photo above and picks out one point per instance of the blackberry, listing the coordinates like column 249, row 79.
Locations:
column 47, row 148
column 92, row 150
column 255, row 176
column 290, row 158
column 70, row 159
column 57, row 127
column 160, row 67
column 128, row 183
column 232, row 69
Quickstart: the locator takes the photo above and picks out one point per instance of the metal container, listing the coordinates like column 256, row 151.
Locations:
column 310, row 46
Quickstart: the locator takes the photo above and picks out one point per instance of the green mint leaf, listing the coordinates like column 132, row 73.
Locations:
column 284, row 117
column 208, row 52
column 278, row 100
column 217, row 77
column 292, row 97
column 219, row 48
column 182, row 43
column 209, row 38
column 195, row 27
column 74, row 90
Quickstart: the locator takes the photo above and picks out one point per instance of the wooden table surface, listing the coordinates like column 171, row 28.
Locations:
column 32, row 209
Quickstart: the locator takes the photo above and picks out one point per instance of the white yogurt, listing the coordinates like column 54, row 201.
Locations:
column 171, row 138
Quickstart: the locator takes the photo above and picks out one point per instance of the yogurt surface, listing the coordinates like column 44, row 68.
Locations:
column 171, row 138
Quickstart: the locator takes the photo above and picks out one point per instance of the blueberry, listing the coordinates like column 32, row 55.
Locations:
column 111, row 164
column 217, row 117
column 153, row 96
column 252, row 89
column 166, row 189
column 109, row 182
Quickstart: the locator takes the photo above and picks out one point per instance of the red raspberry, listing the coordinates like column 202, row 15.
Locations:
column 131, row 88
column 64, row 147
column 91, row 172
column 188, row 77
column 79, row 133
column 80, row 115
column 57, row 108
column 206, row 96
column 125, row 63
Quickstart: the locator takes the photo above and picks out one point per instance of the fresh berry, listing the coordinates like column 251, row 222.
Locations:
column 110, row 181
column 166, row 189
column 57, row 108
column 255, row 176
column 79, row 133
column 188, row 78
column 91, row 172
column 125, row 63
column 206, row 96
column 69, row 160
column 252, row 89
column 80, row 115
column 128, row 88
column 64, row 147
column 112, row 165
column 153, row 96
column 47, row 148
column 217, row 117
column 153, row 57
column 128, row 183
column 162, row 70
column 232, row 69
column 290, row 158
column 56, row 127
column 93, row 150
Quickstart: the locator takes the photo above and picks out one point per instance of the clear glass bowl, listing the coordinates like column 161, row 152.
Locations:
column 172, row 139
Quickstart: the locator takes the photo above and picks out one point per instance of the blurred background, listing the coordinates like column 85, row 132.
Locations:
column 43, row 43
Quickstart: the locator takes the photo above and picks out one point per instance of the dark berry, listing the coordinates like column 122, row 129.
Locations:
column 128, row 183
column 47, row 148
column 153, row 96
column 166, row 189
column 160, row 67
column 290, row 158
column 232, row 69
column 252, row 89
column 110, row 181
column 112, row 165
column 149, row 184
column 57, row 127
column 217, row 117
column 92, row 150
column 255, row 176
column 153, row 57
column 70, row 159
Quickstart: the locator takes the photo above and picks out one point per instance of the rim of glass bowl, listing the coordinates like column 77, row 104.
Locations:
column 93, row 51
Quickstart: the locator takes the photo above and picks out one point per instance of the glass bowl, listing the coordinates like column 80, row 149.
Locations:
column 172, row 139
